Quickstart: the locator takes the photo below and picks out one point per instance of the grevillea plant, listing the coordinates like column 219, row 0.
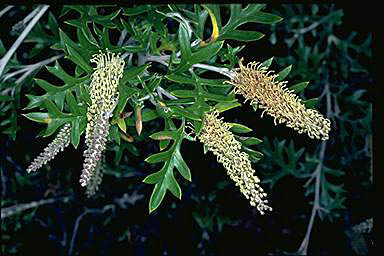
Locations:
column 97, row 100
column 132, row 91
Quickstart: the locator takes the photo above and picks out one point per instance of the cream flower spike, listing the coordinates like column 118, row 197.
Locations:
column 103, row 88
column 104, row 97
column 215, row 135
column 60, row 142
column 255, row 83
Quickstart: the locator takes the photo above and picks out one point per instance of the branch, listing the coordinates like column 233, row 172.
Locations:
column 317, row 175
column 161, row 90
column 27, row 69
column 316, row 204
column 223, row 71
column 21, row 38
column 77, row 223
column 164, row 58
column 2, row 12
column 9, row 211
column 21, row 24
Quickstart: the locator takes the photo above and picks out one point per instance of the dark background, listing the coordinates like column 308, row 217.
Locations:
column 172, row 228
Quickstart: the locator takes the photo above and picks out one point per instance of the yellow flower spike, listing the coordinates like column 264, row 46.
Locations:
column 217, row 138
column 103, row 88
column 104, row 95
column 255, row 83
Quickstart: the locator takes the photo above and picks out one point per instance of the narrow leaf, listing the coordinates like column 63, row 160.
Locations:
column 75, row 132
column 182, row 167
column 158, row 157
column 172, row 185
column 239, row 128
column 38, row 117
column 163, row 135
column 283, row 73
column 244, row 36
column 299, row 87
column 156, row 197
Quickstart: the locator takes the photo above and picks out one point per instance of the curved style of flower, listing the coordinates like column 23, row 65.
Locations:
column 58, row 144
column 258, row 85
column 104, row 96
column 215, row 135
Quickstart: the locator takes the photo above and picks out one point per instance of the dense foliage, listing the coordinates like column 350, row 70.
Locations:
column 178, row 62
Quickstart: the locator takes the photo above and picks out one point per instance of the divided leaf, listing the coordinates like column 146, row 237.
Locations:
column 164, row 179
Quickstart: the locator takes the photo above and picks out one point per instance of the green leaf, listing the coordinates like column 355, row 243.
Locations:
column 311, row 103
column 239, row 128
column 173, row 186
column 163, row 144
column 85, row 95
column 65, row 40
column 244, row 36
column 86, row 42
column 137, row 10
column 163, row 135
column 253, row 153
column 283, row 73
column 164, row 179
column 158, row 157
column 133, row 48
column 248, row 141
column 268, row 62
column 182, row 167
column 125, row 93
column 185, row 113
column 299, row 87
column 52, row 109
column 157, row 196
column 121, row 124
column 114, row 134
column 6, row 98
column 204, row 54
column 53, row 126
column 180, row 79
column 224, row 106
column 184, row 93
column 72, row 103
column 218, row 98
column 207, row 52
column 185, row 45
column 266, row 18
column 154, row 177
column 2, row 48
column 75, row 131
column 154, row 83
column 78, row 59
column 251, row 13
column 48, row 87
column 58, row 71
column 38, row 117
column 132, row 73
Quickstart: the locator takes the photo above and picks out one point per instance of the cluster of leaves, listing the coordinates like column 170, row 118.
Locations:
column 150, row 34
column 167, row 89
column 146, row 26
